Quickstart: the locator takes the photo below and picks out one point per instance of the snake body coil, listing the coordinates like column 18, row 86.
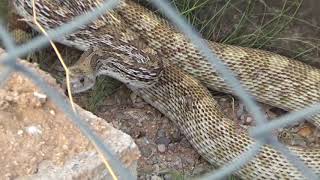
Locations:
column 270, row 78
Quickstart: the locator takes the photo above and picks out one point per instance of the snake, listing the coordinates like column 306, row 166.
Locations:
column 154, row 59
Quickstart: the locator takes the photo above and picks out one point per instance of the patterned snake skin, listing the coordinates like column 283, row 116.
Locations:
column 271, row 78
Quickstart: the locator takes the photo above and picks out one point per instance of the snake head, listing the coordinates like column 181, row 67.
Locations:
column 129, row 65
column 80, row 82
column 82, row 76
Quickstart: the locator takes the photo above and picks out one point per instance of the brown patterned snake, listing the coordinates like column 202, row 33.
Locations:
column 133, row 41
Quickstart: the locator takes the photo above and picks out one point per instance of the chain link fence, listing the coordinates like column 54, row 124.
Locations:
column 261, row 133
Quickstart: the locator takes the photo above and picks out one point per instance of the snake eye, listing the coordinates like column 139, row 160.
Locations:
column 82, row 80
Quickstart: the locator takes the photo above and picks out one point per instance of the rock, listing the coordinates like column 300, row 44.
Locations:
column 52, row 147
column 162, row 148
column 163, row 140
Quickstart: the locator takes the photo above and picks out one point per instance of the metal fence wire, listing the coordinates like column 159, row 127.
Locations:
column 261, row 133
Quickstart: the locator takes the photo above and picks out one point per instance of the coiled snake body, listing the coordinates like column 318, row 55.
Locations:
column 133, row 41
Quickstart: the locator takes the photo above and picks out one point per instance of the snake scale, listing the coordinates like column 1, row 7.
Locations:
column 131, row 34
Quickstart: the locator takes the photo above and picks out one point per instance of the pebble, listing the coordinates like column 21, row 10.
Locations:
column 52, row 112
column 163, row 140
column 42, row 97
column 34, row 130
column 249, row 120
column 20, row 132
column 161, row 148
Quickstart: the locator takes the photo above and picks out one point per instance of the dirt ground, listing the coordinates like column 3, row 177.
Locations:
column 166, row 153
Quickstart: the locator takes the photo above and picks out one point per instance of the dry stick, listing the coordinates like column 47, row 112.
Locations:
column 68, row 82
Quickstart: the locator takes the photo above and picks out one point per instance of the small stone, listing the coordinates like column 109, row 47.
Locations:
column 52, row 112
column 65, row 147
column 161, row 148
column 163, row 140
column 249, row 120
column 172, row 147
column 20, row 132
column 40, row 96
column 33, row 130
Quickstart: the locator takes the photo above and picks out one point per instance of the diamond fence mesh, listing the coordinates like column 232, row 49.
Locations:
column 261, row 133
